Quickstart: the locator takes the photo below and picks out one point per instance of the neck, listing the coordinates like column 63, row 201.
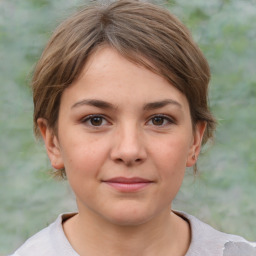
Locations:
column 167, row 234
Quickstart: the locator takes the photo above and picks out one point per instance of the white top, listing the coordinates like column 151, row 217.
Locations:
column 52, row 241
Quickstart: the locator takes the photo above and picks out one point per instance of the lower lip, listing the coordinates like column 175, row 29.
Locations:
column 128, row 187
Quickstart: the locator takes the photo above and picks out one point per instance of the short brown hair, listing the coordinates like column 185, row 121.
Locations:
column 138, row 31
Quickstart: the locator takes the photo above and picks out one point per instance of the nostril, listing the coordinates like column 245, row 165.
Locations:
column 128, row 161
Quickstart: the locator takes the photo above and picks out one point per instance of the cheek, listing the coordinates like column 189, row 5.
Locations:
column 84, row 157
column 172, row 161
column 83, row 165
column 172, row 152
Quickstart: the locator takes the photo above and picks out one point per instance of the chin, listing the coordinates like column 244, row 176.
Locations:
column 129, row 216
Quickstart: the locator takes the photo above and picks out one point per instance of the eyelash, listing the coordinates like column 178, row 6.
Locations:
column 90, row 118
column 167, row 120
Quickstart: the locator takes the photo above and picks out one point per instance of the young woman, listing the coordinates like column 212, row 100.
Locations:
column 120, row 100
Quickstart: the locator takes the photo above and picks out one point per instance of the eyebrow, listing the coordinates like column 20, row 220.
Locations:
column 106, row 105
column 96, row 103
column 160, row 104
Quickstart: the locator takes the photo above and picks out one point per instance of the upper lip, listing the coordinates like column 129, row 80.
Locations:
column 127, row 180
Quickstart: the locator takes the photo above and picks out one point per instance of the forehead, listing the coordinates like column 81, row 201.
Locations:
column 109, row 76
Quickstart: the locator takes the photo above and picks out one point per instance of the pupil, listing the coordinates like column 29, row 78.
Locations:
column 96, row 121
column 158, row 120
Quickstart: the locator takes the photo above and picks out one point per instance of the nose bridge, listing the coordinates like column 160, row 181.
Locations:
column 129, row 146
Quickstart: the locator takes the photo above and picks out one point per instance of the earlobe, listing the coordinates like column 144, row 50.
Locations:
column 51, row 144
column 196, row 144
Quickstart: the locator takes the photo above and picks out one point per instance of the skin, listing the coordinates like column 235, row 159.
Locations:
column 121, row 120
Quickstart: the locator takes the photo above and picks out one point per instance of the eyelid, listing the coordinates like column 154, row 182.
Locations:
column 170, row 119
column 89, row 117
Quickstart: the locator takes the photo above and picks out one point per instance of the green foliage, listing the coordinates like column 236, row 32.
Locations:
column 225, row 188
column 223, row 193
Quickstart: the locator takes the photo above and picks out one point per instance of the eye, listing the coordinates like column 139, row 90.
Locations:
column 160, row 120
column 95, row 120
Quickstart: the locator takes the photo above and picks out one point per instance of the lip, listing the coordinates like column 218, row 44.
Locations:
column 123, row 184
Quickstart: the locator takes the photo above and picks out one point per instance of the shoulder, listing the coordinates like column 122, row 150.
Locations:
column 50, row 241
column 211, row 242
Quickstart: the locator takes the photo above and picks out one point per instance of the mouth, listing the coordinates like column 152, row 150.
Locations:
column 123, row 184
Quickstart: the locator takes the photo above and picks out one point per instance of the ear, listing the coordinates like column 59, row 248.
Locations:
column 51, row 144
column 196, row 144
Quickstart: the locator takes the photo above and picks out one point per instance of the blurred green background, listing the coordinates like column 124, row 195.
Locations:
column 223, row 192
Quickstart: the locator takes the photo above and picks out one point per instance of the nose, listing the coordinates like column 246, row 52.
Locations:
column 128, row 147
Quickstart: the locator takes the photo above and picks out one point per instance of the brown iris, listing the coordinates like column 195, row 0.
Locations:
column 96, row 121
column 157, row 120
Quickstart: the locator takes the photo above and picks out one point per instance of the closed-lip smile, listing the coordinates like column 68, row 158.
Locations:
column 123, row 184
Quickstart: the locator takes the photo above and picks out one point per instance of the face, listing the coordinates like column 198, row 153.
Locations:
column 125, row 138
